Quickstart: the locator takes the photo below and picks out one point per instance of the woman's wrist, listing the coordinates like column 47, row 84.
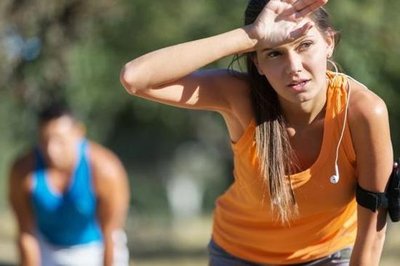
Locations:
column 251, row 36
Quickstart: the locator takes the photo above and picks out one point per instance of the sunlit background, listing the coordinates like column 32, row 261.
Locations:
column 178, row 161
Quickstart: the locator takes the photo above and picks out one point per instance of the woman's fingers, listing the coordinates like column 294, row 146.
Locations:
column 304, row 7
column 283, row 20
column 298, row 9
column 301, row 31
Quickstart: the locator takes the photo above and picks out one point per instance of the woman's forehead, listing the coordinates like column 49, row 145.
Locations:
column 313, row 33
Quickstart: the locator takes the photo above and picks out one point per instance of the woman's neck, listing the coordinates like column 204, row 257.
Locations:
column 304, row 113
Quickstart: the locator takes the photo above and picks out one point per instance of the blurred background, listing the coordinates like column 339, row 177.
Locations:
column 178, row 161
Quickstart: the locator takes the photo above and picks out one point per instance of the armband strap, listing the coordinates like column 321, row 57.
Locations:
column 371, row 200
column 393, row 193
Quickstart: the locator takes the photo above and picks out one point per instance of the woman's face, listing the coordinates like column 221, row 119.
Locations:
column 297, row 70
column 59, row 140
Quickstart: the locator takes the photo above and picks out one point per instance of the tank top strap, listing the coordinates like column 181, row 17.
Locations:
column 82, row 176
column 337, row 93
column 83, row 165
column 338, row 97
column 39, row 173
column 83, row 146
column 39, row 159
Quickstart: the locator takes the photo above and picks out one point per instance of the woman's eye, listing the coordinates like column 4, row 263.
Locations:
column 305, row 45
column 273, row 54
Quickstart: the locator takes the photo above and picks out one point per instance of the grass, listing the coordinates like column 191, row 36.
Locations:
column 160, row 242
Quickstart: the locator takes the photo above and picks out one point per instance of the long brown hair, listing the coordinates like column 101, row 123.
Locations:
column 277, row 158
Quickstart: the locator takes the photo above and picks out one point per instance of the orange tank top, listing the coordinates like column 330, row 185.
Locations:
column 243, row 223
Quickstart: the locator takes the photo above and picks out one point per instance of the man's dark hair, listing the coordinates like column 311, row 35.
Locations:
column 53, row 111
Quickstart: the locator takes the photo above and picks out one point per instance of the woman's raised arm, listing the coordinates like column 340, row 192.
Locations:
column 165, row 75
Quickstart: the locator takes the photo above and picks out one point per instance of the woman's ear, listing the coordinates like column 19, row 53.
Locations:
column 330, row 41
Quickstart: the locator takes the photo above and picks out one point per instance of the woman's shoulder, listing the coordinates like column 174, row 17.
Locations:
column 235, row 89
column 365, row 106
column 234, row 86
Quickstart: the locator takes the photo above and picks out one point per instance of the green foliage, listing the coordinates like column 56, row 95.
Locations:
column 369, row 50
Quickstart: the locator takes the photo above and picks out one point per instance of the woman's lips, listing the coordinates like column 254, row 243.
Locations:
column 298, row 85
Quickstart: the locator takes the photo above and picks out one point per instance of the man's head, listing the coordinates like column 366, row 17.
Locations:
column 59, row 135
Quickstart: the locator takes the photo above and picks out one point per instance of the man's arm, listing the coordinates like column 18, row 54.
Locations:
column 112, row 189
column 19, row 189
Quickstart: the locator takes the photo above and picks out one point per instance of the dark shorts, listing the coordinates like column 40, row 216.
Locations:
column 219, row 257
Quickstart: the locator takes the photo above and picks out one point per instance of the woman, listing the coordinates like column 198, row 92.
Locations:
column 301, row 144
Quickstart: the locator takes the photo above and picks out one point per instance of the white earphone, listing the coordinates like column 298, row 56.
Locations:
column 334, row 179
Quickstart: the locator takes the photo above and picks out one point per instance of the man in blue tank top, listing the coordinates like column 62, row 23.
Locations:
column 70, row 197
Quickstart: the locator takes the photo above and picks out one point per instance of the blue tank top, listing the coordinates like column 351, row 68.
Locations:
column 70, row 218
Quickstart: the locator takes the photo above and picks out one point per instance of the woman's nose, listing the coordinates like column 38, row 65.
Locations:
column 294, row 63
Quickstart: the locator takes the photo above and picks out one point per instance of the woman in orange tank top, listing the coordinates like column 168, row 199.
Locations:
column 300, row 143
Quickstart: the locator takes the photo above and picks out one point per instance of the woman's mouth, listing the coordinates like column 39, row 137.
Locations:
column 298, row 85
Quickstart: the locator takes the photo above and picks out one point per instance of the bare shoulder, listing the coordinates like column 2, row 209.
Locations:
column 232, row 83
column 109, row 175
column 370, row 131
column 21, row 170
column 20, row 187
column 105, row 163
column 365, row 106
column 22, row 167
column 236, row 90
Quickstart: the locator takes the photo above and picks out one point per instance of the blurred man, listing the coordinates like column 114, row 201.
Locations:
column 70, row 197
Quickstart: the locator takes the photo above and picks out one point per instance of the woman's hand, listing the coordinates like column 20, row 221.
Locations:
column 284, row 20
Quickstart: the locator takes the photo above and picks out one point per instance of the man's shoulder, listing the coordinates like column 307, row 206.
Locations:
column 103, row 159
column 23, row 166
column 98, row 152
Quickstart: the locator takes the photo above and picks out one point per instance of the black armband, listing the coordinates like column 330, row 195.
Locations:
column 393, row 193
column 371, row 200
column 389, row 199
